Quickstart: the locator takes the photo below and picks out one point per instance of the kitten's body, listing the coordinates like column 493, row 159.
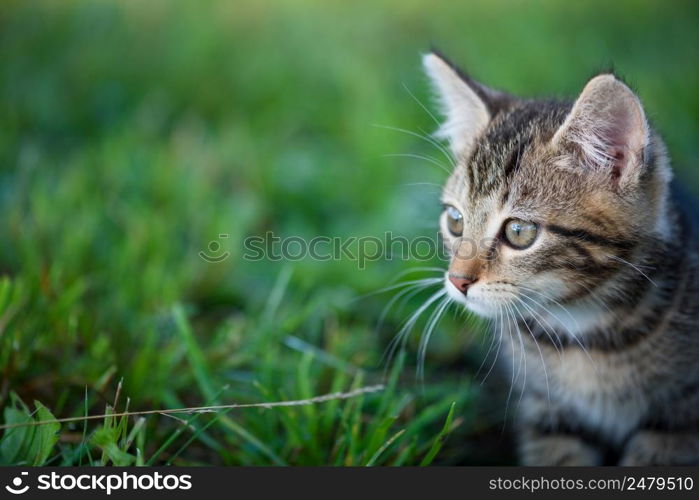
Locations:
column 631, row 396
column 599, row 319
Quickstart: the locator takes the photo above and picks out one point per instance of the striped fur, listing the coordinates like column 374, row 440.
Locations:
column 599, row 318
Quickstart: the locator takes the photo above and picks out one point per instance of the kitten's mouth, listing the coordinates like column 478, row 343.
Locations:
column 483, row 300
column 501, row 300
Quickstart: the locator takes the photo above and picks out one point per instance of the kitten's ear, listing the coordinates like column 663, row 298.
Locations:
column 466, row 105
column 606, row 128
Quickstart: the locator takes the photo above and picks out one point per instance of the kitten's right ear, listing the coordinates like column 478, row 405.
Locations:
column 466, row 105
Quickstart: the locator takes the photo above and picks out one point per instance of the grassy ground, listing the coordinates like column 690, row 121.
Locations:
column 134, row 133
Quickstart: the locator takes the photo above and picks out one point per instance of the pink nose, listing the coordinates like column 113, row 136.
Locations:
column 461, row 282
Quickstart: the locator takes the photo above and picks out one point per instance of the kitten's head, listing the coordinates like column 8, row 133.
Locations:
column 548, row 198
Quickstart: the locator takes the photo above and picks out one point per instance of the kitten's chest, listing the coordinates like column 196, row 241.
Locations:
column 598, row 391
column 601, row 392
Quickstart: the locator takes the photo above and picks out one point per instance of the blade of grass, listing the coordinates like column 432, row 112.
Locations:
column 203, row 378
column 439, row 440
column 385, row 446
column 83, row 444
column 196, row 434
column 405, row 453
column 189, row 421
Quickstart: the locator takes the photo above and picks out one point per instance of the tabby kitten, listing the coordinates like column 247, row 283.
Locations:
column 589, row 268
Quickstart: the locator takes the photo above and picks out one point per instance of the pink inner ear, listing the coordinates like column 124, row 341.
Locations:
column 608, row 126
column 618, row 136
column 620, row 127
column 625, row 136
column 618, row 164
column 611, row 136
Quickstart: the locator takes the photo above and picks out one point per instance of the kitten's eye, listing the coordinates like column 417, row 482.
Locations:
column 520, row 233
column 455, row 221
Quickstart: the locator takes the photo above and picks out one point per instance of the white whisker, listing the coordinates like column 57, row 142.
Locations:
column 426, row 281
column 633, row 266
column 564, row 309
column 434, row 118
column 535, row 316
column 405, row 294
column 493, row 340
column 428, row 159
column 416, row 270
column 497, row 352
column 408, row 325
column 426, row 138
column 427, row 333
column 511, row 318
column 541, row 354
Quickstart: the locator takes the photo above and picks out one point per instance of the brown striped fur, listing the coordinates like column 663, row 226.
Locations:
column 599, row 318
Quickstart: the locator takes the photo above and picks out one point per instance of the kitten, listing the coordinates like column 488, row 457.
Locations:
column 588, row 267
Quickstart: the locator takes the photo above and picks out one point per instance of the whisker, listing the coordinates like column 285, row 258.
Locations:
column 493, row 339
column 512, row 347
column 592, row 294
column 548, row 297
column 405, row 295
column 541, row 354
column 429, row 184
column 408, row 325
column 497, row 352
column 434, row 118
column 564, row 309
column 426, row 138
column 633, row 266
column 427, row 333
column 428, row 159
column 416, row 270
column 427, row 281
column 522, row 358
column 537, row 317
column 595, row 296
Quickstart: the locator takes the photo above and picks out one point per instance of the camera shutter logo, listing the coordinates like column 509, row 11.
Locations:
column 16, row 487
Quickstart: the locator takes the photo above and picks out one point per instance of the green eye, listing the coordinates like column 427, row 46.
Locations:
column 520, row 233
column 455, row 221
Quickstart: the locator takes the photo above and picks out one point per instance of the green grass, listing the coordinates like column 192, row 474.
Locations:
column 134, row 133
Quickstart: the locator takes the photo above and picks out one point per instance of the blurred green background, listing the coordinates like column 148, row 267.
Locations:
column 133, row 133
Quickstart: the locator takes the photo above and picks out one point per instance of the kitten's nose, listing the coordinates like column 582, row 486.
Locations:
column 461, row 282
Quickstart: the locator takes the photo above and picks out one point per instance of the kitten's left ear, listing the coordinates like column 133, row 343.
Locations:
column 467, row 105
column 607, row 129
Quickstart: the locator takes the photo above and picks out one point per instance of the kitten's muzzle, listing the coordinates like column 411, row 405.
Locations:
column 461, row 282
